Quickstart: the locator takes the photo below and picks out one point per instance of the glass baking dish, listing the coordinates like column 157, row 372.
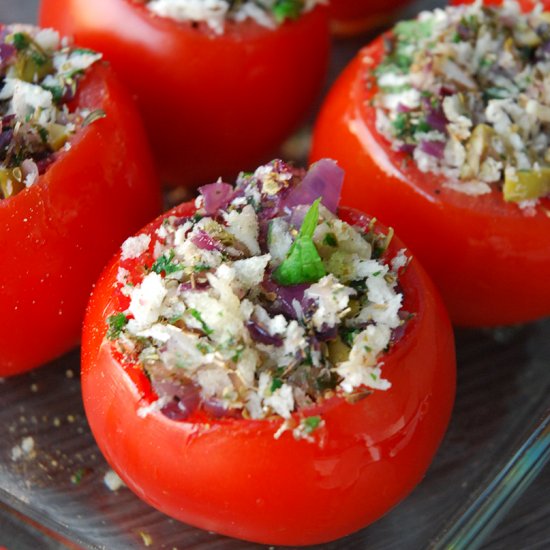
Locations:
column 52, row 473
column 52, row 476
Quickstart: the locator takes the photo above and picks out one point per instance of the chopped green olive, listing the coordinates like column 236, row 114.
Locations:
column 11, row 182
column 338, row 351
column 32, row 63
column 476, row 150
column 527, row 185
column 57, row 136
column 32, row 68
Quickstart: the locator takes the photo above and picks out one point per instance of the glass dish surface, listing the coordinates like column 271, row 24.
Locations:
column 59, row 483
column 53, row 495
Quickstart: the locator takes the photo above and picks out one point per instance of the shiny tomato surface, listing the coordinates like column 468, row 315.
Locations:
column 355, row 16
column 232, row 476
column 489, row 259
column 58, row 234
column 212, row 104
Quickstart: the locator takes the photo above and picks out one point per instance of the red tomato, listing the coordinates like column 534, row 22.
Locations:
column 355, row 16
column 490, row 261
column 57, row 235
column 233, row 477
column 211, row 104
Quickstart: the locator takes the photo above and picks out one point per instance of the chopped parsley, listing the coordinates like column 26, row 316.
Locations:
column 330, row 240
column 166, row 264
column 196, row 314
column 21, row 41
column 311, row 423
column 116, row 324
column 287, row 9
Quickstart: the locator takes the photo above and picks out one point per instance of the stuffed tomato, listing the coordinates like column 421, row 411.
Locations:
column 219, row 86
column 356, row 16
column 75, row 178
column 264, row 366
column 443, row 128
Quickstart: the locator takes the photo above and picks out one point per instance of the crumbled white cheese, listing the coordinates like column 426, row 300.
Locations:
column 112, row 481
column 215, row 13
column 472, row 188
column 250, row 272
column 244, row 226
column 276, row 325
column 281, row 400
column 361, row 369
column 24, row 450
column 213, row 381
column 133, row 247
column 146, row 302
column 159, row 332
column 75, row 61
column 279, row 247
column 400, row 260
column 332, row 299
column 28, row 100
column 48, row 39
column 155, row 406
column 212, row 12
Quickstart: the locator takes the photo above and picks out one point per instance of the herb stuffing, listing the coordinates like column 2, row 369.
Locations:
column 466, row 92
column 268, row 13
column 38, row 77
column 288, row 307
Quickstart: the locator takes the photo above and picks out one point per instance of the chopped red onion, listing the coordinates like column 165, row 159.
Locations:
column 30, row 171
column 184, row 398
column 196, row 285
column 7, row 53
column 407, row 148
column 260, row 334
column 445, row 91
column 433, row 148
column 327, row 333
column 5, row 138
column 297, row 215
column 201, row 239
column 324, row 179
column 464, row 32
column 217, row 409
column 216, row 196
column 286, row 295
column 437, row 120
column 398, row 332
column 543, row 50
column 43, row 164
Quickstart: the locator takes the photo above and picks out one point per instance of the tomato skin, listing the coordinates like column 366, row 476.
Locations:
column 233, row 98
column 356, row 16
column 489, row 260
column 233, row 477
column 57, row 235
